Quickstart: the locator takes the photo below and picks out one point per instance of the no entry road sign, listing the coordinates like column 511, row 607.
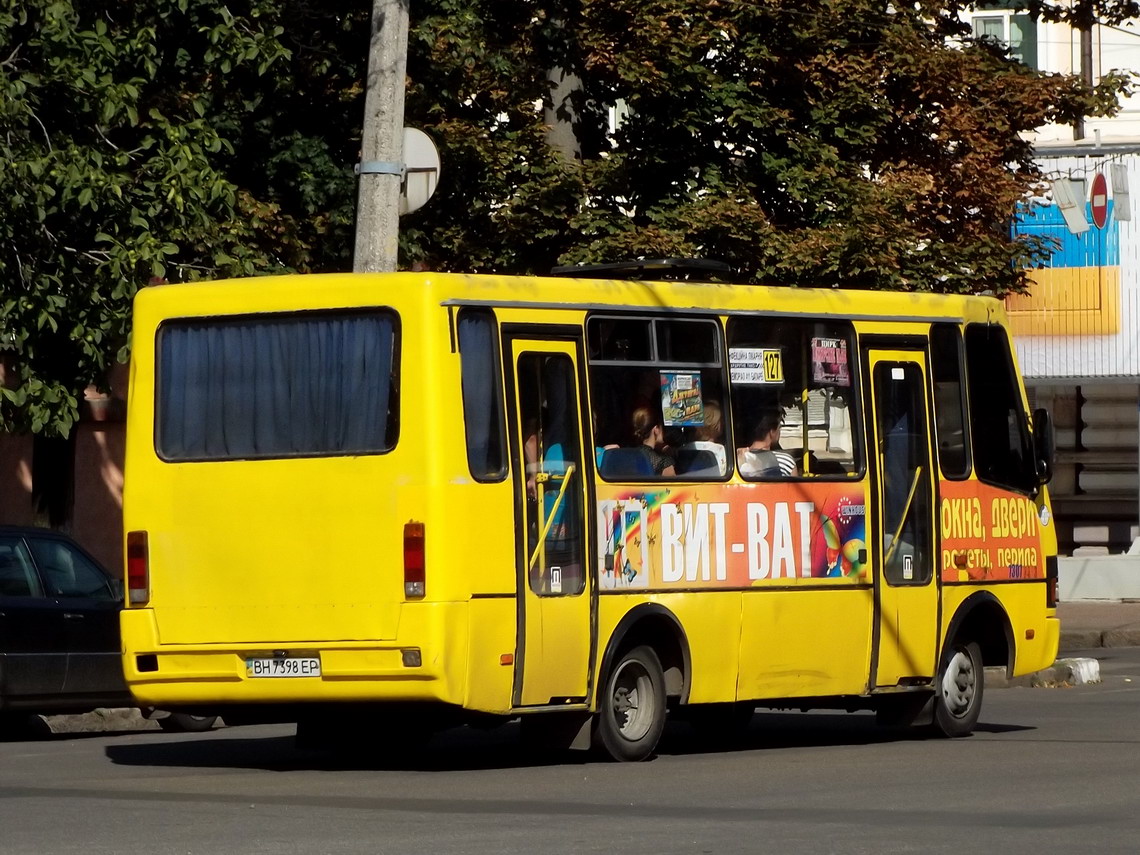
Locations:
column 1099, row 201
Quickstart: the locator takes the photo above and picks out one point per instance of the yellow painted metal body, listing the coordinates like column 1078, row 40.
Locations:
column 253, row 558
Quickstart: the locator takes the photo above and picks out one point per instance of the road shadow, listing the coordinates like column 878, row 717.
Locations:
column 16, row 727
column 266, row 748
column 273, row 747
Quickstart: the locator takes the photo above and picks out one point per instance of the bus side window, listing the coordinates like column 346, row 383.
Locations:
column 656, row 387
column 999, row 428
column 482, row 395
column 949, row 403
column 804, row 369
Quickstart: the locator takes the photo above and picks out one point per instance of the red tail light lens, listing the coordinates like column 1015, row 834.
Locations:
column 138, row 568
column 413, row 560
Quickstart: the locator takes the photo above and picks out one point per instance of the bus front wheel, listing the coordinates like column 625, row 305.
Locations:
column 631, row 714
column 958, row 692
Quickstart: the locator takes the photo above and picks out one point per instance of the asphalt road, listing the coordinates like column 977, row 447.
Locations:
column 1049, row 770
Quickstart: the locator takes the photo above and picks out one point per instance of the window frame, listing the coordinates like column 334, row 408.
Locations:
column 499, row 392
column 31, row 540
column 657, row 364
column 1032, row 486
column 392, row 431
column 963, row 402
column 1006, row 13
column 858, row 439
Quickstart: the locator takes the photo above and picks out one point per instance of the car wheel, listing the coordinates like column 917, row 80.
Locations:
column 178, row 722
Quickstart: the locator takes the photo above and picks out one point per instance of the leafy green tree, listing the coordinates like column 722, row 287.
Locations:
column 111, row 139
column 833, row 142
column 478, row 73
column 852, row 143
column 186, row 139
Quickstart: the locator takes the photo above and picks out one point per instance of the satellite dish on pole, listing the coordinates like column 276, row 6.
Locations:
column 421, row 160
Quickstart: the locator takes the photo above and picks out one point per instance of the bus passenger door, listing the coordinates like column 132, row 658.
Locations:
column 906, row 592
column 552, row 660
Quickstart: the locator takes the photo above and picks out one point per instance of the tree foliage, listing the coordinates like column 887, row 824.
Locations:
column 857, row 143
column 114, row 171
column 842, row 143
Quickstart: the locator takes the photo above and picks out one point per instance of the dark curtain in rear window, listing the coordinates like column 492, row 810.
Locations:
column 314, row 384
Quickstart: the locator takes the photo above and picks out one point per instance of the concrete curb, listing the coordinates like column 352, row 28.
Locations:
column 1063, row 672
column 1085, row 639
column 104, row 720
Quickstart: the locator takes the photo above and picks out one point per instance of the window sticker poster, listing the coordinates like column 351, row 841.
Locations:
column 623, row 543
column 755, row 366
column 829, row 361
column 681, row 403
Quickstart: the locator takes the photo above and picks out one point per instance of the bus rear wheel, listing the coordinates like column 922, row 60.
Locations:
column 958, row 691
column 187, row 723
column 631, row 714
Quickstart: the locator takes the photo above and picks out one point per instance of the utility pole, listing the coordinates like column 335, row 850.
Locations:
column 1085, row 20
column 381, row 166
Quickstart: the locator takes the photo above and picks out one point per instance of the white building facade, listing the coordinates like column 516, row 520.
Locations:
column 1078, row 331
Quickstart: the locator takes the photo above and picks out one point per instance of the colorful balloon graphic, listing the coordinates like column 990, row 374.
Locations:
column 854, row 551
column 838, row 540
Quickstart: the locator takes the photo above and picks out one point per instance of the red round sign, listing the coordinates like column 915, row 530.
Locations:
column 1099, row 201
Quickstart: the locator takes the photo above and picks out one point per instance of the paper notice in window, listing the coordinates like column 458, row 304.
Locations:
column 829, row 361
column 755, row 366
column 681, row 403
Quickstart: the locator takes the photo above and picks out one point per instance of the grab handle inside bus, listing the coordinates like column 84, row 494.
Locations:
column 544, row 525
column 902, row 517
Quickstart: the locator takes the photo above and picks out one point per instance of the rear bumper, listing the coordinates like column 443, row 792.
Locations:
column 171, row 675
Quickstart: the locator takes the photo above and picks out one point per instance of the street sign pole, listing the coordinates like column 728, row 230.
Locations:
column 381, row 167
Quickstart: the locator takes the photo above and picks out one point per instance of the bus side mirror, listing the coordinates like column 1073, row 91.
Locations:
column 1044, row 445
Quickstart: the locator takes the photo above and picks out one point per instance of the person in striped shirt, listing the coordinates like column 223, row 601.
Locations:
column 763, row 458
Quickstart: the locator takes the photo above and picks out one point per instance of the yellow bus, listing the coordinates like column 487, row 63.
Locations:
column 581, row 501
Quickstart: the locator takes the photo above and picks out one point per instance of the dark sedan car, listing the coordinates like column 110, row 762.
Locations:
column 59, row 631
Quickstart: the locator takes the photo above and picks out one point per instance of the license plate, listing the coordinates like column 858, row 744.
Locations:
column 288, row 666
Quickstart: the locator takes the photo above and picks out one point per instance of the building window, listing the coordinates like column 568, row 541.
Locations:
column 995, row 22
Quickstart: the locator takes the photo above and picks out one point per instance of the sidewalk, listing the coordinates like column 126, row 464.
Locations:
column 1099, row 623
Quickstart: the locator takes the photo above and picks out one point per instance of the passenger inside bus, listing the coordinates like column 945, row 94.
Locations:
column 763, row 458
column 647, row 430
column 705, row 454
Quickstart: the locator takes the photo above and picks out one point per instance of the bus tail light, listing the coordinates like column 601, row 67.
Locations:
column 413, row 560
column 138, row 568
column 1051, row 581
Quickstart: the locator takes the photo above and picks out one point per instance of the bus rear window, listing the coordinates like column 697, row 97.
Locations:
column 303, row 385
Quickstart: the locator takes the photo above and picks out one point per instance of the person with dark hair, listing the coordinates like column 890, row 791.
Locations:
column 763, row 458
column 648, row 432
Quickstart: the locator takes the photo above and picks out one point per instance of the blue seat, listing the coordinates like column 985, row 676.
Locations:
column 694, row 461
column 626, row 463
